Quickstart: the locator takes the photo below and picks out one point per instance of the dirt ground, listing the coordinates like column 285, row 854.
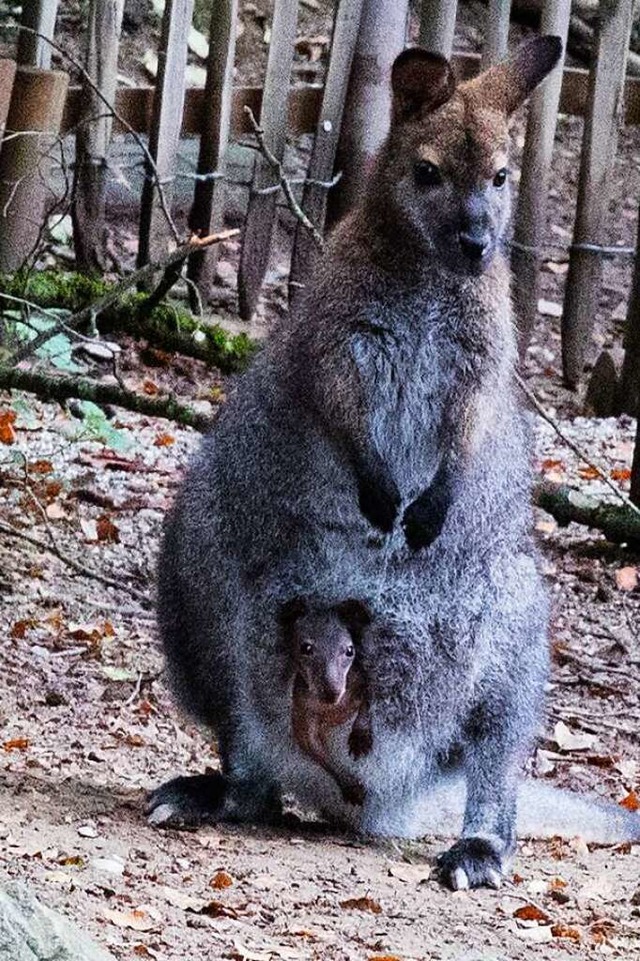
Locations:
column 87, row 724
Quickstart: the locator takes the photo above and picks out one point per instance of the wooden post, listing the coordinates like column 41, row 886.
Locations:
column 531, row 216
column 629, row 388
column 35, row 112
column 7, row 73
column 168, row 103
column 261, row 213
column 367, row 110
column 38, row 15
column 314, row 197
column 207, row 212
column 598, row 152
column 496, row 38
column 438, row 25
column 93, row 136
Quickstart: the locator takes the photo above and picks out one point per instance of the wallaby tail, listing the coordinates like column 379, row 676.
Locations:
column 547, row 811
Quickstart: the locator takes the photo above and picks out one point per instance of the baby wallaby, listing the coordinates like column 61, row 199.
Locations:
column 329, row 687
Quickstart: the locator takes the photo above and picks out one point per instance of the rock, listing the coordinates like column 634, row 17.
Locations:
column 29, row 931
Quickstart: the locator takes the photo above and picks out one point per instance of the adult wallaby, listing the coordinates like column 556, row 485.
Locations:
column 376, row 450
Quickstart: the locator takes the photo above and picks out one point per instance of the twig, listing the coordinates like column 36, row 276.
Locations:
column 139, row 276
column 12, row 531
column 284, row 182
column 574, row 447
column 63, row 388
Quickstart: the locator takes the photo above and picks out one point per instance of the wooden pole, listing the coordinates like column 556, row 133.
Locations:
column 366, row 115
column 261, row 213
column 598, row 153
column 321, row 165
column 7, row 73
column 93, row 135
column 38, row 15
column 496, row 38
column 531, row 216
column 438, row 25
column 35, row 113
column 629, row 388
column 207, row 212
column 168, row 103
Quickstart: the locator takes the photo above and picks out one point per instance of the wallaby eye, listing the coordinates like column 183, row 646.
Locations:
column 427, row 174
column 349, row 651
column 306, row 648
column 500, row 178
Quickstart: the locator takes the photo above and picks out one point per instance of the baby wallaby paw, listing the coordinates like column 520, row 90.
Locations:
column 353, row 792
column 360, row 742
column 471, row 863
column 187, row 802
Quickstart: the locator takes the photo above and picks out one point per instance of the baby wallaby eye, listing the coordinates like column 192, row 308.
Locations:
column 306, row 648
column 427, row 174
column 500, row 178
column 349, row 651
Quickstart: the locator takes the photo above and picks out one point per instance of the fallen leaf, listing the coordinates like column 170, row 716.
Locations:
column 40, row 467
column 221, row 880
column 530, row 912
column 107, row 531
column 549, row 308
column 385, row 957
column 89, row 529
column 551, row 464
column 88, row 831
column 362, row 904
column 627, row 578
column 137, row 920
column 410, row 873
column 621, row 474
column 149, row 387
column 568, row 740
column 20, row 628
column 539, row 933
column 7, row 420
column 562, row 931
column 557, row 884
column 115, row 673
column 631, row 802
column 16, row 744
column 113, row 865
column 164, row 440
column 73, row 861
column 55, row 511
column 144, row 951
column 182, row 900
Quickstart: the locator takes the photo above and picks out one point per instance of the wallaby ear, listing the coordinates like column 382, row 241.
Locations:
column 421, row 82
column 355, row 614
column 292, row 611
column 507, row 85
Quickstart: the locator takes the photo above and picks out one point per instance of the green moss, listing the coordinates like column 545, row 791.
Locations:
column 169, row 325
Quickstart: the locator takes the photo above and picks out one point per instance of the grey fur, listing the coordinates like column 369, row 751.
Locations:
column 397, row 373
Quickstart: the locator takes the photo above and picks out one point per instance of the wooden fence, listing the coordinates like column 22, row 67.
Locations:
column 348, row 117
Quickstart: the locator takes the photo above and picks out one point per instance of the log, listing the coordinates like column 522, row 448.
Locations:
column 603, row 117
column 619, row 524
column 496, row 37
column 261, row 212
column 531, row 216
column 207, row 212
column 39, row 16
column 35, row 113
column 325, row 145
column 93, row 136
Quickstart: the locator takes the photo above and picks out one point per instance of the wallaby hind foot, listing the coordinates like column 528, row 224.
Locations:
column 189, row 802
column 471, row 863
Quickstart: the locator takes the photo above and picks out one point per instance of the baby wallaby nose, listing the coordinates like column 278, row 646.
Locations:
column 474, row 244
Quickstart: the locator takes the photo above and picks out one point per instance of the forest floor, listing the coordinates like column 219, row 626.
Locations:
column 87, row 724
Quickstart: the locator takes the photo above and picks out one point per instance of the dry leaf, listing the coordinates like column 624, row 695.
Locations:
column 539, row 933
column 20, row 628
column 410, row 873
column 149, row 387
column 550, row 464
column 549, row 308
column 562, row 931
column 55, row 511
column 16, row 744
column 631, row 802
column 362, row 904
column 7, row 420
column 107, row 531
column 221, row 880
column 143, row 951
column 88, row 831
column 385, row 957
column 621, row 474
column 40, row 467
column 164, row 440
column 627, row 578
column 568, row 740
column 137, row 920
column 530, row 912
column 182, row 900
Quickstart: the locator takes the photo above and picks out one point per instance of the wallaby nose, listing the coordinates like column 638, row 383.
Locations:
column 474, row 245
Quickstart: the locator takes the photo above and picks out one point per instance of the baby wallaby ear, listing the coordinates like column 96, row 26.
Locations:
column 507, row 85
column 421, row 82
column 293, row 610
column 355, row 614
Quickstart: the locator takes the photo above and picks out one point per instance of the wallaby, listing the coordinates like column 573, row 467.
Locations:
column 376, row 449
column 328, row 685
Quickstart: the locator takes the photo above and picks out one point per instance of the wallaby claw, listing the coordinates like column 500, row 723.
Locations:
column 471, row 863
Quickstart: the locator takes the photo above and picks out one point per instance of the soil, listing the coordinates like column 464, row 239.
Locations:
column 87, row 724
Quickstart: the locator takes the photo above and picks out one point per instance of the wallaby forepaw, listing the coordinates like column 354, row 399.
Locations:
column 187, row 802
column 353, row 793
column 360, row 743
column 471, row 863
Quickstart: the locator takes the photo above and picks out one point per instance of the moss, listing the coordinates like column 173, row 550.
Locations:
column 168, row 326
